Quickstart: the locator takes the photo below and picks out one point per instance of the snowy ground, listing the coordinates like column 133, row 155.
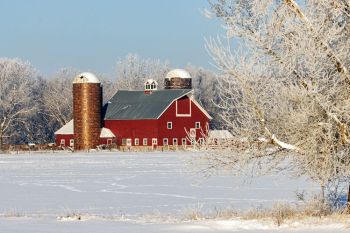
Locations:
column 131, row 192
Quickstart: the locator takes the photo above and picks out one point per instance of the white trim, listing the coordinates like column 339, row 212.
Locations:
column 184, row 115
column 171, row 125
column 167, row 142
column 143, row 141
column 128, row 142
column 173, row 102
column 63, row 142
column 183, row 140
column 123, row 141
column 154, row 141
column 71, row 142
column 109, row 141
column 177, row 142
column 137, row 140
column 193, row 133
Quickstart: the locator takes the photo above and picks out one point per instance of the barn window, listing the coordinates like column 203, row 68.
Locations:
column 169, row 125
column 154, row 141
column 201, row 141
column 147, row 86
column 145, row 141
column 193, row 141
column 123, row 141
column 71, row 142
column 109, row 141
column 183, row 141
column 153, row 86
column 198, row 125
column 136, row 141
column 175, row 141
column 165, row 141
column 63, row 142
column 128, row 141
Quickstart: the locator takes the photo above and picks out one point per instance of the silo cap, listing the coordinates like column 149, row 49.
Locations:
column 86, row 77
column 178, row 73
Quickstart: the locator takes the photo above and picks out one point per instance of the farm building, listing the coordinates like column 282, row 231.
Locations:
column 146, row 118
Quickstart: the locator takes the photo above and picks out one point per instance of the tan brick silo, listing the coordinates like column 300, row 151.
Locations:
column 178, row 79
column 87, row 105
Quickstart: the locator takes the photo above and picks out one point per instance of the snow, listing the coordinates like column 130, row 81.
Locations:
column 178, row 73
column 106, row 133
column 220, row 134
column 66, row 129
column 86, row 77
column 131, row 192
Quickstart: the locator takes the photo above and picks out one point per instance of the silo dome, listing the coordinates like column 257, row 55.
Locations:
column 178, row 73
column 86, row 77
column 178, row 79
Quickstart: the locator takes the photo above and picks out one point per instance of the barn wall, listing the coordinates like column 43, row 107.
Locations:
column 180, row 123
column 133, row 129
column 66, row 138
column 103, row 141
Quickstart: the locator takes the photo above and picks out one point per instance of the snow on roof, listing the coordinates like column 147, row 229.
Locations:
column 106, row 133
column 220, row 134
column 66, row 129
column 178, row 73
column 86, row 77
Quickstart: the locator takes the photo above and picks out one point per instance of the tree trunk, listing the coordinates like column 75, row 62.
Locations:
column 322, row 194
column 1, row 141
column 348, row 204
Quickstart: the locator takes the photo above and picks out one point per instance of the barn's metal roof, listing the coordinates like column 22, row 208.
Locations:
column 133, row 105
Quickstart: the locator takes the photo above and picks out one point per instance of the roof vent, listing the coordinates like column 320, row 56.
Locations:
column 150, row 85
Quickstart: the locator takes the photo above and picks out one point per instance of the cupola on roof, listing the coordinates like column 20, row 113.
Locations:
column 151, row 84
column 178, row 73
column 86, row 77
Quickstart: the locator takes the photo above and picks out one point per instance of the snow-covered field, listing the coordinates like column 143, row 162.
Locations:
column 131, row 192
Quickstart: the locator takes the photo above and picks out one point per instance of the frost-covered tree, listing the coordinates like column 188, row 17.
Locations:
column 58, row 97
column 133, row 71
column 19, row 83
column 285, row 92
column 204, row 83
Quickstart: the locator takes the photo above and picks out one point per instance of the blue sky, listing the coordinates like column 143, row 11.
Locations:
column 91, row 34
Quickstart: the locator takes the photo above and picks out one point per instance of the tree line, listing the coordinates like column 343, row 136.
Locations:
column 33, row 107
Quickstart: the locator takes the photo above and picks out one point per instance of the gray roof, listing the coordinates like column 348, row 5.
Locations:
column 133, row 105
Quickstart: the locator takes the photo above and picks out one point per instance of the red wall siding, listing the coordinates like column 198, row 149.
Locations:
column 183, row 105
column 103, row 141
column 180, row 123
column 66, row 138
column 133, row 129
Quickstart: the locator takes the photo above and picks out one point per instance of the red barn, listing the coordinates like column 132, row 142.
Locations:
column 157, row 118
column 151, row 117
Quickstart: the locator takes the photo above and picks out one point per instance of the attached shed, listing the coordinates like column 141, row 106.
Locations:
column 65, row 136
